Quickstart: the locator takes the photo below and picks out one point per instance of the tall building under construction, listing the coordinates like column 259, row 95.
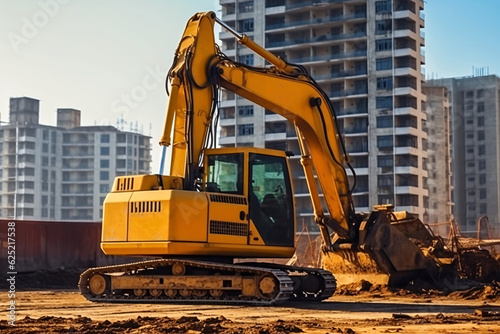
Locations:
column 367, row 56
column 475, row 126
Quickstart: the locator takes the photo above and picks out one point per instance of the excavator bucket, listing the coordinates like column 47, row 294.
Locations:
column 388, row 251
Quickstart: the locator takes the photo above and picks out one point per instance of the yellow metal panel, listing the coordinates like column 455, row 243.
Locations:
column 145, row 182
column 115, row 216
column 225, row 223
column 194, row 248
column 180, row 215
column 188, row 216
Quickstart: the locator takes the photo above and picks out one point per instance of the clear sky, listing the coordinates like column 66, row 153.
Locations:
column 109, row 58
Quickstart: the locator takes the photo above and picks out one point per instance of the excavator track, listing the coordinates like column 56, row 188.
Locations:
column 186, row 281
column 311, row 284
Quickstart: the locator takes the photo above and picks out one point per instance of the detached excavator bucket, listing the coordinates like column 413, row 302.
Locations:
column 384, row 253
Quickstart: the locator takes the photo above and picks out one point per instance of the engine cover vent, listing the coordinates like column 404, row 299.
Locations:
column 228, row 199
column 228, row 228
column 145, row 206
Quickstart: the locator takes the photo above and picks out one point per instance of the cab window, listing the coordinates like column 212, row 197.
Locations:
column 225, row 173
column 271, row 202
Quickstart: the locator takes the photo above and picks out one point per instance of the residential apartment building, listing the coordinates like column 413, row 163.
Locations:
column 367, row 55
column 439, row 151
column 62, row 172
column 475, row 113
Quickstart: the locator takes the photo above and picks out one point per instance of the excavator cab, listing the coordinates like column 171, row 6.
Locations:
column 263, row 177
column 243, row 207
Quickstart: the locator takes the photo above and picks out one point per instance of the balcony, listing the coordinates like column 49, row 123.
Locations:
column 26, row 151
column 336, row 56
column 319, row 39
column 341, row 74
column 405, row 71
column 401, row 13
column 276, row 136
column 351, row 112
column 308, row 3
column 401, row 33
column 405, row 52
column 312, row 22
column 356, row 130
column 349, row 92
column 227, row 140
column 405, row 91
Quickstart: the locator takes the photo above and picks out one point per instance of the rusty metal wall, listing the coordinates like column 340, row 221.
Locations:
column 52, row 245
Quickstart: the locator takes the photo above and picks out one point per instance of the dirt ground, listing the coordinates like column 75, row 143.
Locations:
column 65, row 311
column 46, row 302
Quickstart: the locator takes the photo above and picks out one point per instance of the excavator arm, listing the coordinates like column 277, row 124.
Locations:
column 198, row 71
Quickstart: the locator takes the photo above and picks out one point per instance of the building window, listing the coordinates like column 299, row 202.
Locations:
column 480, row 106
column 480, row 93
column 104, row 188
column 384, row 83
column 104, row 163
column 482, row 178
column 385, row 199
column 276, row 145
column 104, row 175
column 385, row 180
column 121, row 138
column 104, row 138
column 382, row 7
column 245, row 111
column 226, row 113
column 408, row 180
column 245, row 7
column 384, row 102
column 482, row 164
column 385, row 141
column 104, row 150
column 121, row 163
column 383, row 64
column 385, row 161
column 407, row 160
column 245, row 129
column 483, row 208
column 480, row 135
column 384, row 122
column 482, row 193
column 382, row 26
column 383, row 44
column 275, row 127
column 407, row 200
column 480, row 121
column 407, row 140
column 246, row 25
column 246, row 59
column 481, row 149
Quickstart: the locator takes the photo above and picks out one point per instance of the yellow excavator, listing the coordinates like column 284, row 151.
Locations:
column 221, row 204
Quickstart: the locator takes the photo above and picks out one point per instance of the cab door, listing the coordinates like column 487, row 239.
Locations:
column 271, row 208
column 228, row 207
